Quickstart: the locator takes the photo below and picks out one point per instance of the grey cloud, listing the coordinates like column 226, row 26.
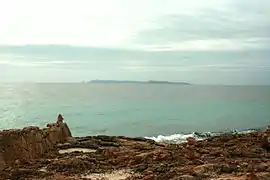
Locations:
column 247, row 6
column 240, row 20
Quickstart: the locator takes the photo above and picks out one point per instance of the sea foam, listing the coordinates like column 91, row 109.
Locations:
column 179, row 138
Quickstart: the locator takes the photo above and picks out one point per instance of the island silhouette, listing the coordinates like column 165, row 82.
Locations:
column 136, row 82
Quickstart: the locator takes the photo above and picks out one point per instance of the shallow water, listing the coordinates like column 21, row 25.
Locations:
column 135, row 109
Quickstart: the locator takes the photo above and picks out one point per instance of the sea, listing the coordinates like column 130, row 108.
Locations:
column 163, row 112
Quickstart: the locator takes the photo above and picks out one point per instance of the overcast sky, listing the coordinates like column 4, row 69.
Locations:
column 199, row 41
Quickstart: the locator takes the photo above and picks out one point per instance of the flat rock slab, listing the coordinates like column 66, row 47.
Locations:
column 115, row 175
column 71, row 150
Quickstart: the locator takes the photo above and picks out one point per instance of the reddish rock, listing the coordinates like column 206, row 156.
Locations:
column 261, row 167
column 266, row 142
column 160, row 156
column 203, row 151
column 186, row 177
column 251, row 176
column 192, row 155
column 149, row 177
column 163, row 156
column 202, row 168
column 191, row 141
column 30, row 142
column 225, row 157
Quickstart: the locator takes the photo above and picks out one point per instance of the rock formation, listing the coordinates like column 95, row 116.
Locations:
column 28, row 143
column 191, row 141
column 232, row 157
column 266, row 142
column 65, row 129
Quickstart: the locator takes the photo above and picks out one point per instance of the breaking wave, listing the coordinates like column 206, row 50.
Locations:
column 179, row 138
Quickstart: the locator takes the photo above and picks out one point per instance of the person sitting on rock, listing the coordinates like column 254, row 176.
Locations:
column 60, row 118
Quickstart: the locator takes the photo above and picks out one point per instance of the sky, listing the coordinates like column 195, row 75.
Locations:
column 201, row 42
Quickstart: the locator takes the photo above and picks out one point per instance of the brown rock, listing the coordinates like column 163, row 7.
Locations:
column 30, row 142
column 228, row 168
column 64, row 127
column 191, row 155
column 2, row 161
column 251, row 176
column 191, row 141
column 161, row 156
column 266, row 142
column 149, row 177
column 49, row 125
column 215, row 152
column 107, row 138
column 186, row 177
column 261, row 167
column 204, row 151
column 21, row 173
column 264, row 176
column 66, row 133
column 203, row 168
column 250, row 167
column 227, row 157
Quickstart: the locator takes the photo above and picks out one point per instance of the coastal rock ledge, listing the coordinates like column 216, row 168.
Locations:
column 24, row 145
column 53, row 154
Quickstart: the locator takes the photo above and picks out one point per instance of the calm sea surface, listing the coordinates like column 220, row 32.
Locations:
column 135, row 109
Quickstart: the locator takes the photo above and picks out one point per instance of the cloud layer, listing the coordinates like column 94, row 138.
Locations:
column 153, row 24
column 75, row 64
column 210, row 41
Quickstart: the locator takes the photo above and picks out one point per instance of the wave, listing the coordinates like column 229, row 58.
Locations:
column 180, row 138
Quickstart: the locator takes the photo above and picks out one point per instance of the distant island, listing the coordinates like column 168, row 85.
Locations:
column 136, row 82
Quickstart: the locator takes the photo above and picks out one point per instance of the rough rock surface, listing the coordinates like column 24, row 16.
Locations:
column 235, row 157
column 24, row 145
column 266, row 139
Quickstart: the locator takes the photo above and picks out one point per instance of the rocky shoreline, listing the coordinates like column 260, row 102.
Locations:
column 235, row 157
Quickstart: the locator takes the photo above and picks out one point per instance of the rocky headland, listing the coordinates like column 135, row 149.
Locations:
column 52, row 153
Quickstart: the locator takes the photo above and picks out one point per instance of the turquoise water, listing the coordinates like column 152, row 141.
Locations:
column 135, row 109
